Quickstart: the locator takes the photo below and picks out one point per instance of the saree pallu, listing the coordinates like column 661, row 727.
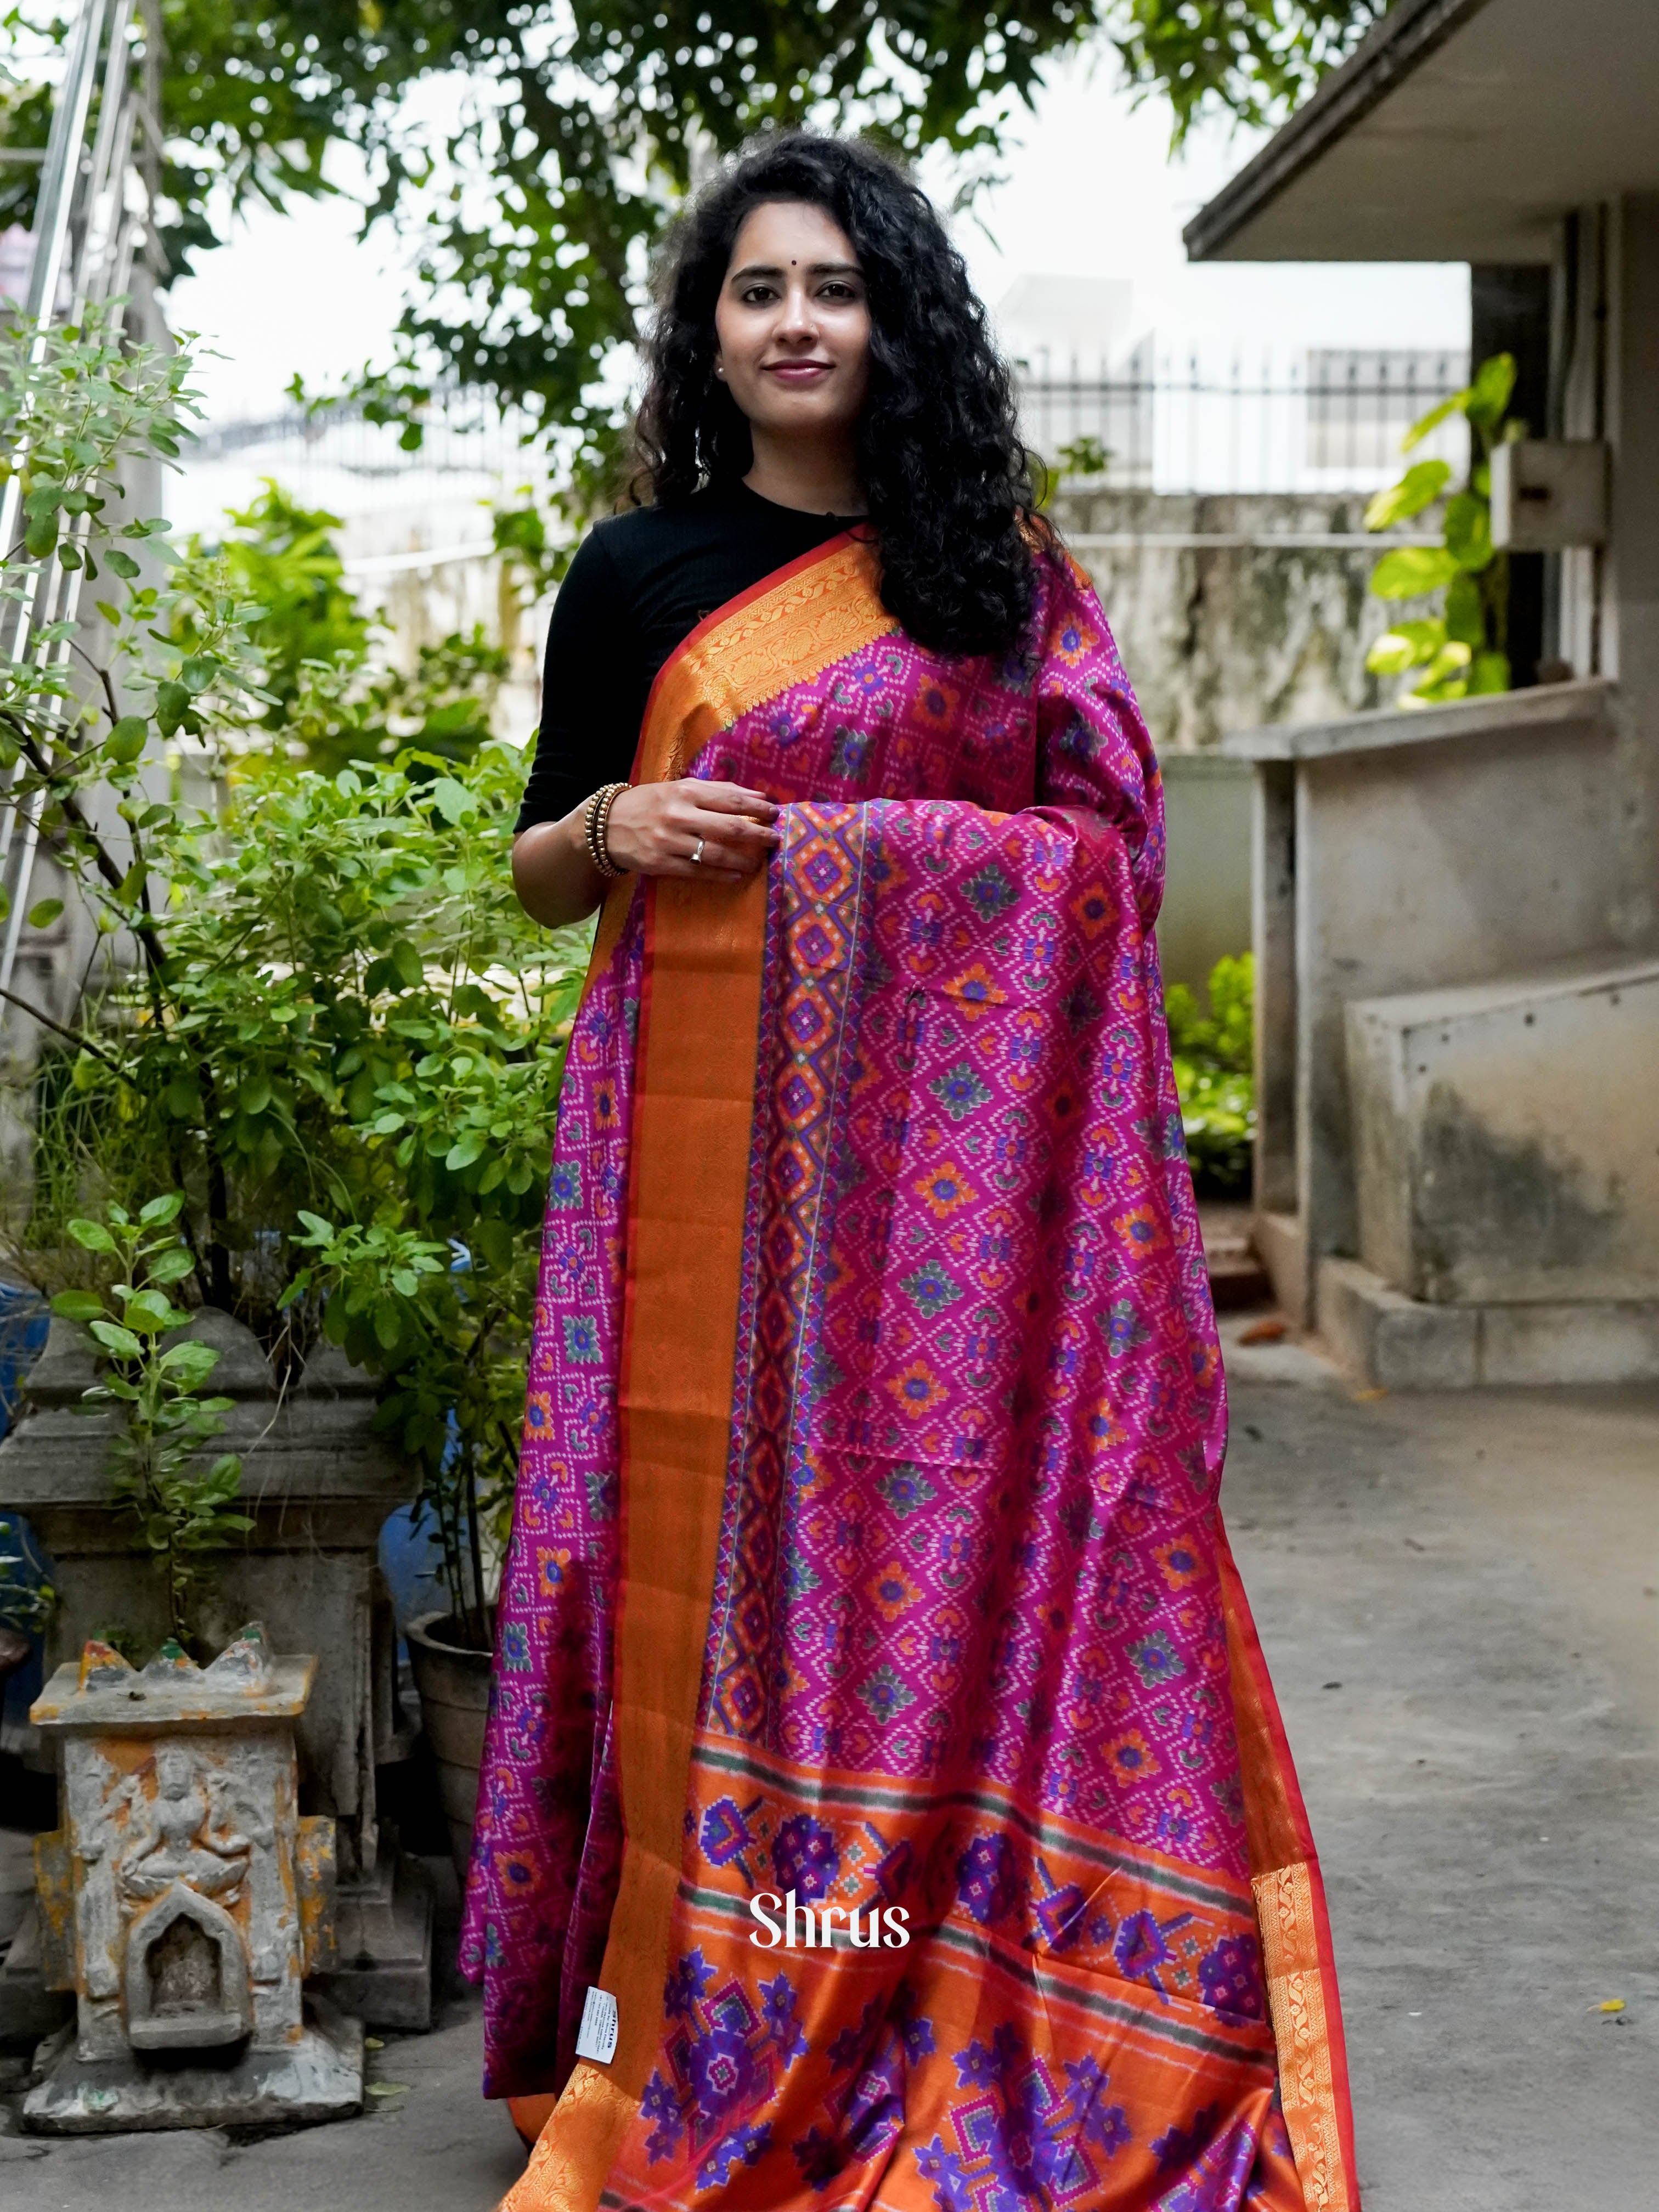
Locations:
column 866, row 1544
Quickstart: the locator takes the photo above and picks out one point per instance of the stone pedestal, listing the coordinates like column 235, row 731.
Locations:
column 319, row 1483
column 185, row 1898
column 1457, row 1039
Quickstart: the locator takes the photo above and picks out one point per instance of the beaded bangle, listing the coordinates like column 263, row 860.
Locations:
column 595, row 826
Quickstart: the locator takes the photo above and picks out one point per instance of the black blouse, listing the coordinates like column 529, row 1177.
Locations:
column 640, row 584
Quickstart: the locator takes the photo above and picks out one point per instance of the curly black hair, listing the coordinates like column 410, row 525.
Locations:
column 946, row 476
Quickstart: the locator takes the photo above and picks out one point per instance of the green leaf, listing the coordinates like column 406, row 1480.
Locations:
column 467, row 1147
column 1468, row 532
column 78, row 1305
column 316, row 1226
column 125, row 742
column 254, row 1096
column 157, row 1212
column 171, row 1267
column 388, row 1325
column 92, row 1235
column 123, row 563
column 150, row 1312
column 1451, row 661
column 1413, row 571
column 495, row 1238
column 407, row 962
column 1491, row 391
column 172, row 704
column 1420, row 487
column 190, row 1364
column 182, row 1099
column 1425, row 425
column 1407, row 645
column 44, row 913
column 1489, row 672
column 453, row 800
column 1466, row 617
column 121, row 1341
column 197, row 673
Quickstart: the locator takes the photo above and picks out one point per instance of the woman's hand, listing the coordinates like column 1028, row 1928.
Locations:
column 653, row 831
column 656, row 829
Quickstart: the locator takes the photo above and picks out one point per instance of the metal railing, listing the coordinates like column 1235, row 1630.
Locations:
column 1322, row 420
column 98, row 179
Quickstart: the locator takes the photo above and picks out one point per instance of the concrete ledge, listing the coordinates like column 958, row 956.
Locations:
column 1395, row 1343
column 1609, row 1341
column 1379, row 729
column 1283, row 1251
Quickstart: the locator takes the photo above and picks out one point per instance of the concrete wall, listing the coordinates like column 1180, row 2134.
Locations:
column 1206, row 915
column 1489, row 1170
column 1227, row 635
column 1401, row 852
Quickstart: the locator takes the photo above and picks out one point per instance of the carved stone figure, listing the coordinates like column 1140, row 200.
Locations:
column 185, row 1898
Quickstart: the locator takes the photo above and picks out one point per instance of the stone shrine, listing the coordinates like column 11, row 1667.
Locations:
column 185, row 1898
column 318, row 1482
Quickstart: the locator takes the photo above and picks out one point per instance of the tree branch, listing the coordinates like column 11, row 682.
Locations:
column 75, row 1036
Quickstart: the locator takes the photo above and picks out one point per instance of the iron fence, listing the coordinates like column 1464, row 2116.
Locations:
column 1321, row 420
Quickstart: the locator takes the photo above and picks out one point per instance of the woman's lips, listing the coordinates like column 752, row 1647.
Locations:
column 797, row 372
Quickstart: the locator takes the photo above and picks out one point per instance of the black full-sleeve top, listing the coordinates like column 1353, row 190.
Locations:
column 638, row 586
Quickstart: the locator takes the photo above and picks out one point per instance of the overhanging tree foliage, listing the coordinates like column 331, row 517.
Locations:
column 533, row 153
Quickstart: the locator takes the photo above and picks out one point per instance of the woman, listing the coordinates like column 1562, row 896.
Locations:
column 877, row 1721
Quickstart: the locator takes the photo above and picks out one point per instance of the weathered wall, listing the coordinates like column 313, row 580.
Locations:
column 1228, row 636
column 1206, row 914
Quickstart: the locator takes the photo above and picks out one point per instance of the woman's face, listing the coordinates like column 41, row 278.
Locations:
column 792, row 323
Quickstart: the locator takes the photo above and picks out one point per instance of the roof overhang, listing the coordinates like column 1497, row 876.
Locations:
column 1458, row 130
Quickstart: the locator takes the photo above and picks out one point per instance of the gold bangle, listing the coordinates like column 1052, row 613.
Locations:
column 596, row 823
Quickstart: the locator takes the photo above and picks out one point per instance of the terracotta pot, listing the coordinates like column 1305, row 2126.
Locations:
column 453, row 1683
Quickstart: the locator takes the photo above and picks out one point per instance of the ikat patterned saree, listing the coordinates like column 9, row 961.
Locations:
column 867, row 1544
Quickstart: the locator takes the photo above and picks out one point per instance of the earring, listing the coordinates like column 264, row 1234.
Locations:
column 720, row 372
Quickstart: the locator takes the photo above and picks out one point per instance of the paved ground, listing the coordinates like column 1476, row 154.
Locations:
column 1459, row 1598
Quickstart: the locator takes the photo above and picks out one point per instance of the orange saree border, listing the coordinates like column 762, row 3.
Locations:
column 785, row 630
column 694, row 1109
column 1298, row 1962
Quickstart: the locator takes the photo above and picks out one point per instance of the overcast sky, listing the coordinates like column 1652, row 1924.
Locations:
column 1090, row 192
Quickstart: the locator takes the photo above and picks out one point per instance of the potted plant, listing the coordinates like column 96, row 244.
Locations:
column 320, row 1030
column 27, row 1599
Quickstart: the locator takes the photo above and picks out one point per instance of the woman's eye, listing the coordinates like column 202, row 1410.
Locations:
column 838, row 292
column 758, row 296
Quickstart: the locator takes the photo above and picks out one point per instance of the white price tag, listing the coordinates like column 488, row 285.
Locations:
column 596, row 2036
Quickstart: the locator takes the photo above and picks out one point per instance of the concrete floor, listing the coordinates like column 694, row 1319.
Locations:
column 1460, row 1598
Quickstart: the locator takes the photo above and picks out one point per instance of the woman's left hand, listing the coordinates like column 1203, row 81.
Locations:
column 692, row 829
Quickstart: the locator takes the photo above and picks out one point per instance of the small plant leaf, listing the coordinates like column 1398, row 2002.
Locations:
column 1411, row 572
column 125, row 742
column 1421, row 486
column 92, row 1235
column 121, row 1341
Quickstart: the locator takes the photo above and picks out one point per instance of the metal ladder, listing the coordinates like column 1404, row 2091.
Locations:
column 92, row 220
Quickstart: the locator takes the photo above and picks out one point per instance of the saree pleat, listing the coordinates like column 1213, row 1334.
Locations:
column 866, row 1548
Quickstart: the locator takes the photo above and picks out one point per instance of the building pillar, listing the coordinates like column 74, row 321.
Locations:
column 1629, row 567
column 1509, row 313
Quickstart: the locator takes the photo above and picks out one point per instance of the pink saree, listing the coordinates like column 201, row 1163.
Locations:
column 866, row 1548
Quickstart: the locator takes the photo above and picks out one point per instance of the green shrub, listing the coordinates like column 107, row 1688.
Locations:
column 1215, row 1073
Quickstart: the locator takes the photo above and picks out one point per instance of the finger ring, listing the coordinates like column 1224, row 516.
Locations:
column 696, row 850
